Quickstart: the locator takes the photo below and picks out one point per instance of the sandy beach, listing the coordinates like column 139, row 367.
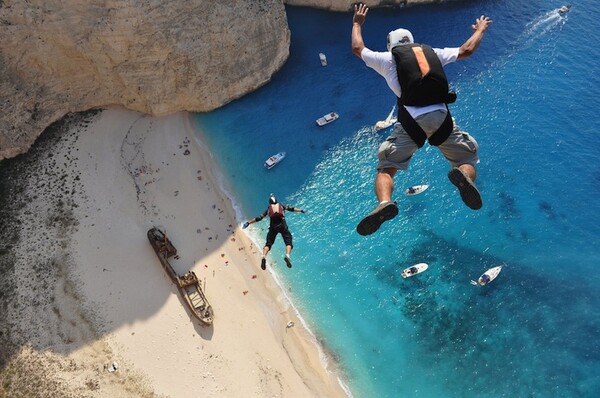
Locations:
column 101, row 296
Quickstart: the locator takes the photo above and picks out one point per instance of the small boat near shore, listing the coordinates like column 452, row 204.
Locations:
column 414, row 270
column 273, row 160
column 487, row 276
column 188, row 284
column 323, row 59
column 326, row 119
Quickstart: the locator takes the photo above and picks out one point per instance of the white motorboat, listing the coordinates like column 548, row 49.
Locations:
column 323, row 59
column 389, row 120
column 330, row 117
column 414, row 270
column 273, row 160
column 416, row 189
column 564, row 9
column 487, row 276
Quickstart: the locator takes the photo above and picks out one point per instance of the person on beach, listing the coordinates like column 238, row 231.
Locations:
column 276, row 212
column 415, row 74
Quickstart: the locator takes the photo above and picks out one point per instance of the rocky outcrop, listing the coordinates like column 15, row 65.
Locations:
column 152, row 56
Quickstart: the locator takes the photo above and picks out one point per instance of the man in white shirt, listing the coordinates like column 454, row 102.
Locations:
column 423, row 114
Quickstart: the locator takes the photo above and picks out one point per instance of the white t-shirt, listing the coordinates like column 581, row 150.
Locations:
column 384, row 64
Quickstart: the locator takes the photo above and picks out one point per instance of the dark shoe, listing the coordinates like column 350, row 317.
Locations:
column 372, row 222
column 263, row 263
column 288, row 261
column 468, row 192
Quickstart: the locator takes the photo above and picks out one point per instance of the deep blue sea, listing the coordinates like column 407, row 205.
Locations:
column 530, row 96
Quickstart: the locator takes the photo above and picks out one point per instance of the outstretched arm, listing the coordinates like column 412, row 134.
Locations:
column 253, row 220
column 472, row 43
column 360, row 13
column 294, row 209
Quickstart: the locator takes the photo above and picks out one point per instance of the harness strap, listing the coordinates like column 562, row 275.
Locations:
column 417, row 134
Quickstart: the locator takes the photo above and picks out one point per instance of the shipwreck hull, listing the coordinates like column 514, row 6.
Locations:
column 187, row 284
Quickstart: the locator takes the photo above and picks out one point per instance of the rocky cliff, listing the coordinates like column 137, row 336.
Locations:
column 152, row 56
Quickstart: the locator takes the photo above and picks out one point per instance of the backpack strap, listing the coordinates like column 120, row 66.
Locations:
column 417, row 134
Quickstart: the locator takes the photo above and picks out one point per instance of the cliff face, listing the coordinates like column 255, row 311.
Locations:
column 152, row 56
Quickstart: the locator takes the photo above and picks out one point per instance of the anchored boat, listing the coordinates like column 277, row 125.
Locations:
column 273, row 160
column 326, row 119
column 323, row 59
column 487, row 276
column 188, row 284
column 414, row 270
column 389, row 120
column 416, row 189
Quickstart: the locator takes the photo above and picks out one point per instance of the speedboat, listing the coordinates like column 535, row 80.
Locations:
column 323, row 59
column 273, row 160
column 487, row 276
column 414, row 270
column 416, row 189
column 564, row 9
column 330, row 117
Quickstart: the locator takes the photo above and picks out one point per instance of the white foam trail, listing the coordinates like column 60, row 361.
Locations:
column 534, row 30
column 542, row 25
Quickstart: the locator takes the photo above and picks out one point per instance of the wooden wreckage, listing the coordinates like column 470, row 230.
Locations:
column 188, row 284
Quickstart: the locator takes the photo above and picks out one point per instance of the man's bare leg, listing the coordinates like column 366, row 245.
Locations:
column 384, row 184
column 469, row 171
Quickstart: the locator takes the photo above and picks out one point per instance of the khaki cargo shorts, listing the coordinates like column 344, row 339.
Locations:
column 397, row 150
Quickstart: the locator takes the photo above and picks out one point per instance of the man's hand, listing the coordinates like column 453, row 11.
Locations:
column 472, row 43
column 245, row 225
column 482, row 23
column 360, row 13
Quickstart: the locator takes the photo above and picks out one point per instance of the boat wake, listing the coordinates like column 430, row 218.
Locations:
column 543, row 24
column 536, row 30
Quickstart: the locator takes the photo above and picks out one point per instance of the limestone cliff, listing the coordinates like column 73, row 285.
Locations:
column 152, row 56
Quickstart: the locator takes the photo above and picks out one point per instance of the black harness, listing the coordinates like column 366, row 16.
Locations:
column 423, row 82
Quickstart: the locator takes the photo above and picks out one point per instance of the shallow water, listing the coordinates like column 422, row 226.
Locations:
column 529, row 96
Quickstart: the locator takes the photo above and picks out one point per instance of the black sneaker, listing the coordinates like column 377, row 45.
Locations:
column 382, row 213
column 263, row 263
column 468, row 192
column 288, row 261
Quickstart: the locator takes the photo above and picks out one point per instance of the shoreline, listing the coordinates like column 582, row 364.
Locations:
column 256, row 245
column 109, row 300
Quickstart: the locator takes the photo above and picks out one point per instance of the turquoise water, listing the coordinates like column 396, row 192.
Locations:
column 530, row 98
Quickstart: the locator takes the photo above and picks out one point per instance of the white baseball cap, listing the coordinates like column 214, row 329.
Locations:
column 399, row 37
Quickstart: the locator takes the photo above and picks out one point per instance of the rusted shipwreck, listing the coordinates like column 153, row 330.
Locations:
column 188, row 284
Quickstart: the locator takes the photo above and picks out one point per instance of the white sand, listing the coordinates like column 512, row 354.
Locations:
column 138, row 172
